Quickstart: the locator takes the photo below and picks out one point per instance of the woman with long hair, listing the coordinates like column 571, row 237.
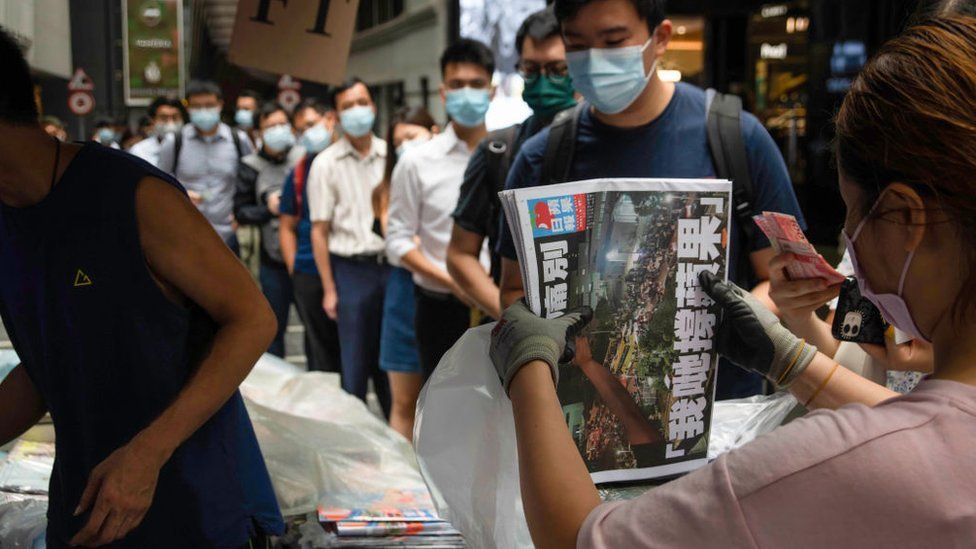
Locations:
column 408, row 127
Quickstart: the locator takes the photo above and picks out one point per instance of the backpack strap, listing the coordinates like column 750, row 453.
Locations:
column 724, row 127
column 500, row 147
column 561, row 145
column 177, row 147
column 235, row 136
column 300, row 174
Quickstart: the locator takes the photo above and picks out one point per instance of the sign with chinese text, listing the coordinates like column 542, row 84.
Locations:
column 153, row 50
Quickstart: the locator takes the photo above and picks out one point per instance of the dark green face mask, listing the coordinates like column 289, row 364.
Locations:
column 546, row 95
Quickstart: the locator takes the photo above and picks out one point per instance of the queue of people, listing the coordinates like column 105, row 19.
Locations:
column 381, row 245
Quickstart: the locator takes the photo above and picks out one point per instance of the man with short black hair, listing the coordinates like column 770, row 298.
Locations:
column 348, row 254
column 316, row 123
column 425, row 187
column 168, row 116
column 204, row 156
column 135, row 326
column 257, row 203
column 105, row 133
column 548, row 90
column 245, row 117
column 636, row 125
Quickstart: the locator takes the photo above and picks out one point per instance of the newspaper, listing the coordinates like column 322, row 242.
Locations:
column 638, row 398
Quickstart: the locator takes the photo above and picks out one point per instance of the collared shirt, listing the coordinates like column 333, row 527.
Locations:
column 208, row 166
column 424, row 192
column 340, row 191
column 148, row 149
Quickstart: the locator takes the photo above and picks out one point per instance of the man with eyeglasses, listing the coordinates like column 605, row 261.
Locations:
column 425, row 188
column 548, row 90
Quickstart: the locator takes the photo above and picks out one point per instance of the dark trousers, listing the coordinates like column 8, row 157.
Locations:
column 441, row 320
column 361, row 286
column 321, row 332
column 276, row 285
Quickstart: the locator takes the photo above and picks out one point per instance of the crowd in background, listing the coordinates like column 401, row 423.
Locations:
column 390, row 242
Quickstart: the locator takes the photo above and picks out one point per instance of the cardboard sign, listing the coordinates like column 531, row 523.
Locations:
column 308, row 39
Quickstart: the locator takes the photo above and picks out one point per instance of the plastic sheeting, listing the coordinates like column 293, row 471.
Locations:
column 465, row 441
column 23, row 521
column 317, row 440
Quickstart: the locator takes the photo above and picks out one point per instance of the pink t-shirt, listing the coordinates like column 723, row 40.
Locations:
column 902, row 474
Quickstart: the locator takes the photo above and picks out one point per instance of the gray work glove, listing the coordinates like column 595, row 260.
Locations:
column 521, row 337
column 753, row 338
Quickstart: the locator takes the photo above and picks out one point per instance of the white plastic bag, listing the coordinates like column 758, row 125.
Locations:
column 736, row 423
column 465, row 442
column 318, row 440
column 23, row 522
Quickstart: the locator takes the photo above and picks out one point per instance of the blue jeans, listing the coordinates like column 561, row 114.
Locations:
column 276, row 285
column 361, row 286
column 398, row 351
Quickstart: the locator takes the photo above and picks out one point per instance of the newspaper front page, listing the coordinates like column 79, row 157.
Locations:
column 638, row 397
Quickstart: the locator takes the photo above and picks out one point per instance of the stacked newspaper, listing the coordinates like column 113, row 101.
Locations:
column 406, row 517
column 638, row 397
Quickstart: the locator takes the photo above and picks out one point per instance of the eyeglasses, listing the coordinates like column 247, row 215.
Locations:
column 529, row 71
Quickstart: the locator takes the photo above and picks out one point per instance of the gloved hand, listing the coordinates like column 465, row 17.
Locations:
column 521, row 337
column 753, row 338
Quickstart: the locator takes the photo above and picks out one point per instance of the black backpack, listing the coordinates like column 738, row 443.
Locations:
column 728, row 150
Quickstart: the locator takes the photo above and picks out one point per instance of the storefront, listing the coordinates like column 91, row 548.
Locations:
column 792, row 63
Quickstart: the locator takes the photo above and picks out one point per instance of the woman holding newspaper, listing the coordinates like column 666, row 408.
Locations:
column 907, row 150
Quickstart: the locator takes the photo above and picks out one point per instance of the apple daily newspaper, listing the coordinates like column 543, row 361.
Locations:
column 638, row 397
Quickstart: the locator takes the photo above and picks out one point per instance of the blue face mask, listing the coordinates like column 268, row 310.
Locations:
column 357, row 121
column 244, row 119
column 610, row 79
column 205, row 119
column 106, row 136
column 278, row 138
column 316, row 139
column 468, row 106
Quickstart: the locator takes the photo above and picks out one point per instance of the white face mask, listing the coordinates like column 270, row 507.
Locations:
column 893, row 307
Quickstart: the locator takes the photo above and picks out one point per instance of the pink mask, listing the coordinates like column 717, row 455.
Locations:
column 892, row 306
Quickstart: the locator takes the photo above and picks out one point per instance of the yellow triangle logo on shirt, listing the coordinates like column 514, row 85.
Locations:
column 81, row 279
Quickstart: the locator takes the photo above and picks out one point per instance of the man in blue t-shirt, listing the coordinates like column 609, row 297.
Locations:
column 636, row 125
column 316, row 123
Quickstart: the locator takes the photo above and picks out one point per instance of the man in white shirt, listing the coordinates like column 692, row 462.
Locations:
column 349, row 256
column 424, row 192
column 168, row 116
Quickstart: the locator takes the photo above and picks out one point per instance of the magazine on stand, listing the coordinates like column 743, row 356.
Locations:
column 638, row 397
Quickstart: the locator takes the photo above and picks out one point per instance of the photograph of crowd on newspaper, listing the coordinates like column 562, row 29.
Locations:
column 617, row 395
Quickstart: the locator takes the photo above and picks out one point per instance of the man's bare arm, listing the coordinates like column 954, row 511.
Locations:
column 288, row 239
column 464, row 265
column 21, row 406
column 186, row 256
column 320, row 249
column 511, row 284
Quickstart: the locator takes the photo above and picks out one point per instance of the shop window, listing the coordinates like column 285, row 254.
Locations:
column 373, row 13
column 685, row 59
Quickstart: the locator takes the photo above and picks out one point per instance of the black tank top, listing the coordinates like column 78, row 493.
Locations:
column 109, row 352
